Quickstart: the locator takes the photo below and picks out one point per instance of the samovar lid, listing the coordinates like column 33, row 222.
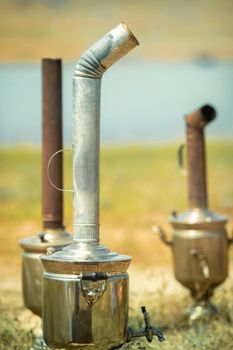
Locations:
column 198, row 217
column 43, row 240
column 84, row 257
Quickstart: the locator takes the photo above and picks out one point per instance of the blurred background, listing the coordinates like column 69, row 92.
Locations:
column 185, row 59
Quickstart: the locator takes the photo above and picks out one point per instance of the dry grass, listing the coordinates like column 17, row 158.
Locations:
column 139, row 186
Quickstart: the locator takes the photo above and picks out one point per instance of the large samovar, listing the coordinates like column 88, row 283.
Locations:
column 199, row 244
column 85, row 285
column 53, row 231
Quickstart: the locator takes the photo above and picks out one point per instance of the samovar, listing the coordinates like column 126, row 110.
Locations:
column 199, row 244
column 85, row 285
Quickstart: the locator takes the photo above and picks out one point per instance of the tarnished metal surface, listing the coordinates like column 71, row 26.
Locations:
column 32, row 269
column 78, row 313
column 52, row 200
column 188, row 269
column 32, row 272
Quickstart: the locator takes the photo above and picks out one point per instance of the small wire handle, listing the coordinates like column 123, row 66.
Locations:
column 181, row 160
column 48, row 170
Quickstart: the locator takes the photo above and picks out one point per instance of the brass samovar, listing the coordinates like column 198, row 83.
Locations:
column 199, row 243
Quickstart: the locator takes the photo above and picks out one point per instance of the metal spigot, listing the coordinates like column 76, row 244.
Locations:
column 149, row 331
column 203, row 263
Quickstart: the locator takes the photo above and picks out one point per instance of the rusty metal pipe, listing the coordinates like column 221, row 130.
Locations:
column 196, row 163
column 52, row 200
column 53, row 235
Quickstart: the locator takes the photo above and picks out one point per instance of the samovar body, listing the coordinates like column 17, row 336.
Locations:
column 200, row 251
column 86, row 309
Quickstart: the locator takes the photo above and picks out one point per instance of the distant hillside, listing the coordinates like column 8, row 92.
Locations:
column 166, row 29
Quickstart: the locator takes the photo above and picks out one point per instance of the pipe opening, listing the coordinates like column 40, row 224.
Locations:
column 208, row 113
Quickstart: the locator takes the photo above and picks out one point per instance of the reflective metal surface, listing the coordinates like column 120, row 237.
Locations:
column 70, row 321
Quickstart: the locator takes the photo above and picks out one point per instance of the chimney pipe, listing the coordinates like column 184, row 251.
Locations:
column 196, row 162
column 53, row 232
column 86, row 127
column 52, row 200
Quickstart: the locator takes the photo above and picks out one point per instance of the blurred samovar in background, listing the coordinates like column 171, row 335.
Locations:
column 53, row 235
column 199, row 243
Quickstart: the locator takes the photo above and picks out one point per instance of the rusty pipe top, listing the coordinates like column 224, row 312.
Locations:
column 201, row 117
column 52, row 200
column 196, row 158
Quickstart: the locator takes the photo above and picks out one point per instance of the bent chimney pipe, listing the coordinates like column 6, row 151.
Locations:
column 86, row 120
column 196, row 162
column 199, row 241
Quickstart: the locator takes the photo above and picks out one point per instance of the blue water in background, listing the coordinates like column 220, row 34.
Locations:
column 142, row 101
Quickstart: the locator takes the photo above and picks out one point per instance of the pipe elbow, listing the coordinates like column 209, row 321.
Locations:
column 201, row 117
column 105, row 52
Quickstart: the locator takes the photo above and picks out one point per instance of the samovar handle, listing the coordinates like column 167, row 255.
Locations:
column 162, row 235
column 180, row 155
column 48, row 170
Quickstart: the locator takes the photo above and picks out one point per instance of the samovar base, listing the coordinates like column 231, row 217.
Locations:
column 202, row 311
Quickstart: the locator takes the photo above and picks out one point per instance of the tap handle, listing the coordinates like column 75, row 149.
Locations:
column 149, row 330
column 203, row 263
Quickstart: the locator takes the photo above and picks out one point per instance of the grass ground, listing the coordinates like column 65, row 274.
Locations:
column 139, row 187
